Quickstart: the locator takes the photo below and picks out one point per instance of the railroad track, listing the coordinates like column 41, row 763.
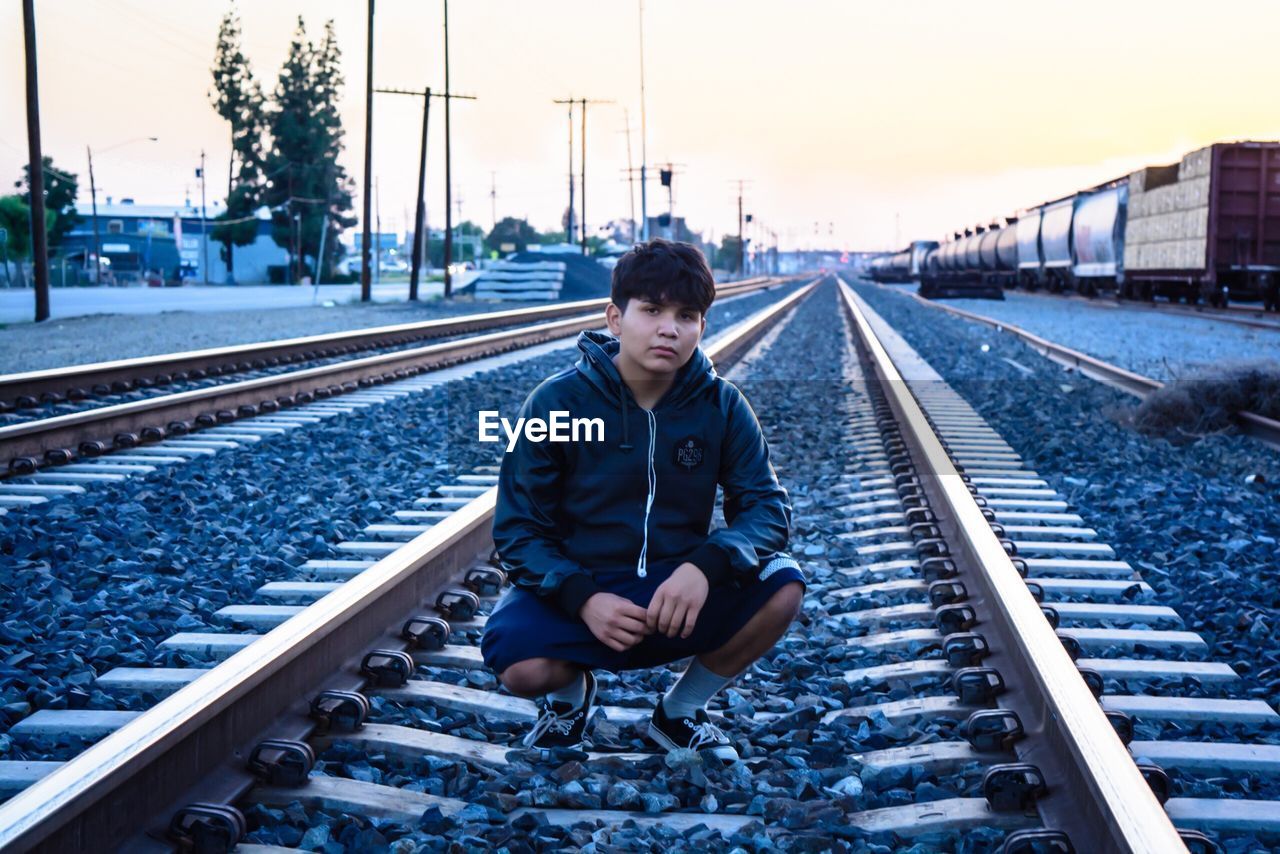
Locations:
column 141, row 426
column 31, row 390
column 932, row 505
column 1258, row 426
column 197, row 739
column 1256, row 318
column 1010, row 541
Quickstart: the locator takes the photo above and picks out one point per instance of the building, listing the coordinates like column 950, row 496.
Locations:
column 168, row 242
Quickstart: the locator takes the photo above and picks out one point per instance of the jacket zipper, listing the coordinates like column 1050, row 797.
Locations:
column 642, row 565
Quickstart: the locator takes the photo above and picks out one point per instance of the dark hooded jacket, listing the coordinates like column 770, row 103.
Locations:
column 570, row 513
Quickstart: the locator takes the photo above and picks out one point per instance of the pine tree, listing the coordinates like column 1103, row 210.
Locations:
column 338, row 188
column 238, row 98
column 304, row 179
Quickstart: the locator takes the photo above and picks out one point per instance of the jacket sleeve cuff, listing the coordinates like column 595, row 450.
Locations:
column 574, row 592
column 714, row 563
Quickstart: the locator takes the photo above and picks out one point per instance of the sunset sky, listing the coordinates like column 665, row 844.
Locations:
column 843, row 114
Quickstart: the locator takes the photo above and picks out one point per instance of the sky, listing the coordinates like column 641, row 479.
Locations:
column 852, row 124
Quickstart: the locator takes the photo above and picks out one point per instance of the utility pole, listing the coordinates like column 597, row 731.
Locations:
column 35, row 167
column 741, row 247
column 324, row 230
column 420, row 210
column 644, row 140
column 631, row 178
column 568, row 223
column 204, row 226
column 293, row 219
column 231, row 177
column 97, row 239
column 93, row 197
column 584, row 170
column 448, row 167
column 582, row 223
column 493, row 198
column 421, row 234
column 462, row 254
column 366, row 288
column 583, row 183
column 377, row 220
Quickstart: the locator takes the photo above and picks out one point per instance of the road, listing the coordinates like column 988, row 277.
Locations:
column 18, row 305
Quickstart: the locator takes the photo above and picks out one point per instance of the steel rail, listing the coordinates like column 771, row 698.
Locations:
column 1251, row 317
column 1104, row 796
column 202, row 730
column 33, row 440
column 1255, row 425
column 160, row 368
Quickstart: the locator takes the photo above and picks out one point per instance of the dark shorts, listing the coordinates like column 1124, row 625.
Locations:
column 524, row 626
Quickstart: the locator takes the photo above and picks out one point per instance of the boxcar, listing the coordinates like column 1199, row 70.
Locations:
column 1207, row 227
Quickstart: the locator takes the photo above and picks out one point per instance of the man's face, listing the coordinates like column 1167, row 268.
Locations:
column 656, row 337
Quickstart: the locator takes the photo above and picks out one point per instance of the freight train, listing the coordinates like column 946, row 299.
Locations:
column 1207, row 227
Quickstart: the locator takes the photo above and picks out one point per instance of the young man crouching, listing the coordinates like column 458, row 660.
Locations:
column 607, row 542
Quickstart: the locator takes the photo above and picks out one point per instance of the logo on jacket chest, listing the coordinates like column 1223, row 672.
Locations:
column 689, row 452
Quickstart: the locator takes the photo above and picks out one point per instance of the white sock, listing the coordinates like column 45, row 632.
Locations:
column 693, row 691
column 573, row 693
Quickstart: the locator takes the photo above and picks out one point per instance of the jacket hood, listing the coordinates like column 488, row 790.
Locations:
column 597, row 367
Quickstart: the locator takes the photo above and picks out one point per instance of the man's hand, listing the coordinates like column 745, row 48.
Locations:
column 617, row 622
column 677, row 601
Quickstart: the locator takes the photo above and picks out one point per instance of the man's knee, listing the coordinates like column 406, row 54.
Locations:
column 784, row 605
column 527, row 678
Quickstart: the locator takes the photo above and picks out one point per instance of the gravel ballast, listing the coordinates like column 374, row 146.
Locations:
column 97, row 580
column 798, row 775
column 1163, row 346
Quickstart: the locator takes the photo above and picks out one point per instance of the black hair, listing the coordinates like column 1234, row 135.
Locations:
column 664, row 271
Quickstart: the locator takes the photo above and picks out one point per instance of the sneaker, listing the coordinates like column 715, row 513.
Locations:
column 560, row 724
column 696, row 733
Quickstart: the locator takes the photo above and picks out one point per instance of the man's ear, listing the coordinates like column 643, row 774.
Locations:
column 613, row 317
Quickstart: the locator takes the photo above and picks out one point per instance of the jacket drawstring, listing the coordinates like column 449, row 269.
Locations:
column 642, row 566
